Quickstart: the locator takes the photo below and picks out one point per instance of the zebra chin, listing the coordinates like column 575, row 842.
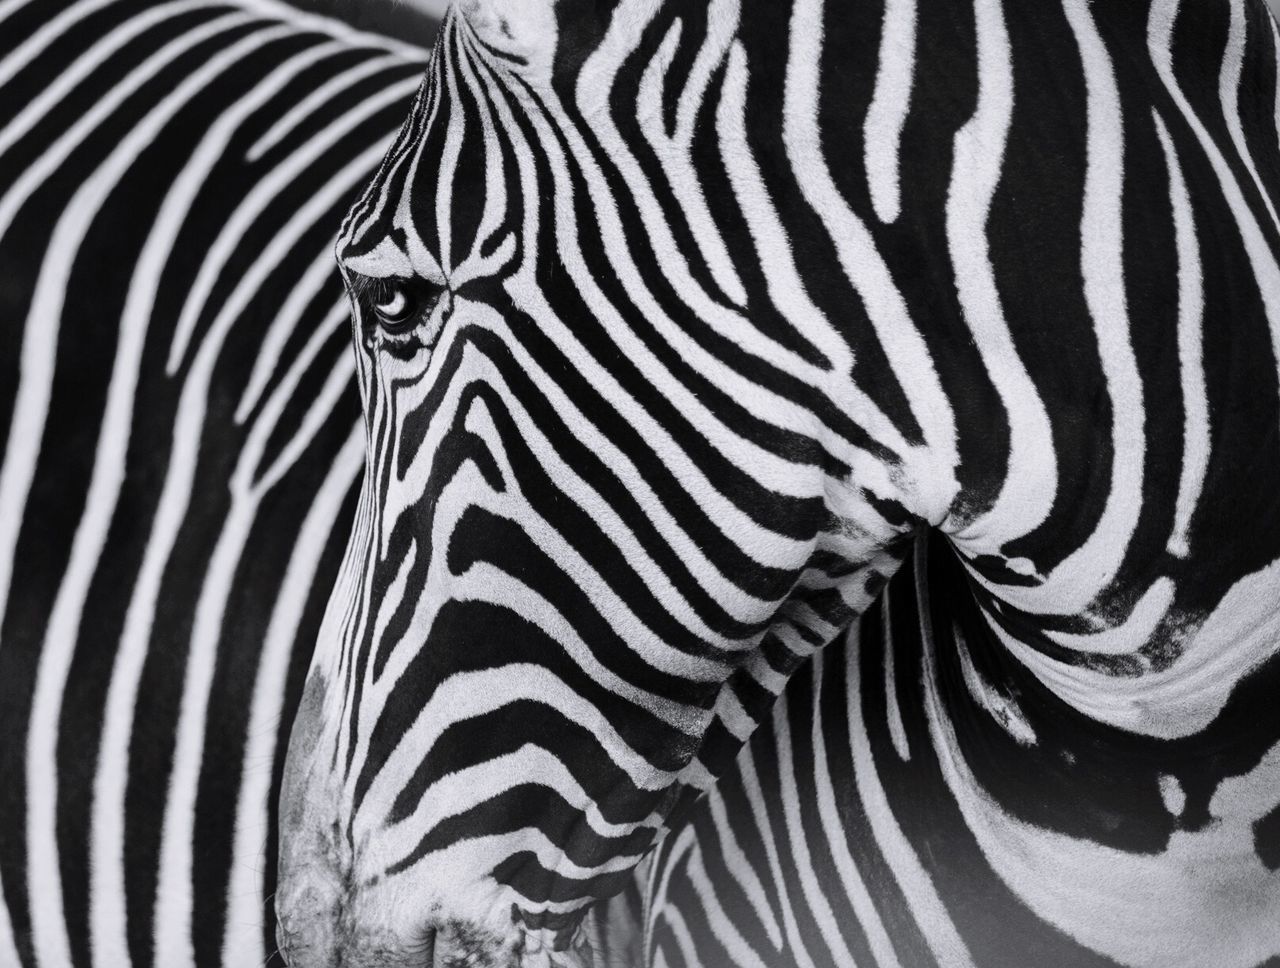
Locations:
column 452, row 945
column 338, row 904
column 319, row 925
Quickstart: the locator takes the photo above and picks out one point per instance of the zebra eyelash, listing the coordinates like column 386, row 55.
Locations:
column 368, row 290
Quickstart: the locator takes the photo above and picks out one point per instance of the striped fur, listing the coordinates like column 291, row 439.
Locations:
column 180, row 445
column 675, row 323
column 917, row 800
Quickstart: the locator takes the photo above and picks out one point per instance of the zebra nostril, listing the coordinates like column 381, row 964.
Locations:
column 286, row 940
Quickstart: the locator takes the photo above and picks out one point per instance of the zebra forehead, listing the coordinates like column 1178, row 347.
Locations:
column 384, row 260
column 524, row 29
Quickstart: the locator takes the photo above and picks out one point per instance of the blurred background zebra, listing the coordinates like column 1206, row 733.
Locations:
column 180, row 437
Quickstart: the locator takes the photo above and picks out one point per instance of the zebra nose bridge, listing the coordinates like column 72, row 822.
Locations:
column 315, row 857
column 301, row 786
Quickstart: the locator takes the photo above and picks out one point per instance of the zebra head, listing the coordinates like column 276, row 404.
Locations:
column 614, row 492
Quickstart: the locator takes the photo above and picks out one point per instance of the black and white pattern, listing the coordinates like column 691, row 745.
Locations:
column 1094, row 785
column 676, row 325
column 180, row 453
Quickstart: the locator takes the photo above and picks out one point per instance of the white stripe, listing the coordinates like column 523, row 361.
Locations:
column 683, row 936
column 476, row 265
column 642, row 639
column 893, row 710
column 776, row 473
column 473, row 694
column 882, row 131
column 464, row 789
column 173, row 902
column 667, row 859
column 773, row 245
column 755, row 540
column 1031, row 480
column 75, row 72
column 1127, row 636
column 1086, row 573
column 271, row 351
column 288, row 13
column 595, row 85
column 444, row 174
column 799, row 850
column 107, row 846
column 1196, row 442
column 9, row 7
column 1275, row 46
column 1004, row 709
column 455, row 865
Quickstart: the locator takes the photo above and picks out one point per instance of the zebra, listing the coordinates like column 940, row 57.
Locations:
column 181, row 450
column 679, row 328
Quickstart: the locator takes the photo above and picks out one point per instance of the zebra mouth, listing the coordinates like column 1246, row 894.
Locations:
column 562, row 947
column 456, row 944
column 537, row 951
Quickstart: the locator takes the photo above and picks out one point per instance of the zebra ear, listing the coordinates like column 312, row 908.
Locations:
column 521, row 29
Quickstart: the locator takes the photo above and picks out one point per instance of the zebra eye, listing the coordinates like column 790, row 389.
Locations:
column 395, row 309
